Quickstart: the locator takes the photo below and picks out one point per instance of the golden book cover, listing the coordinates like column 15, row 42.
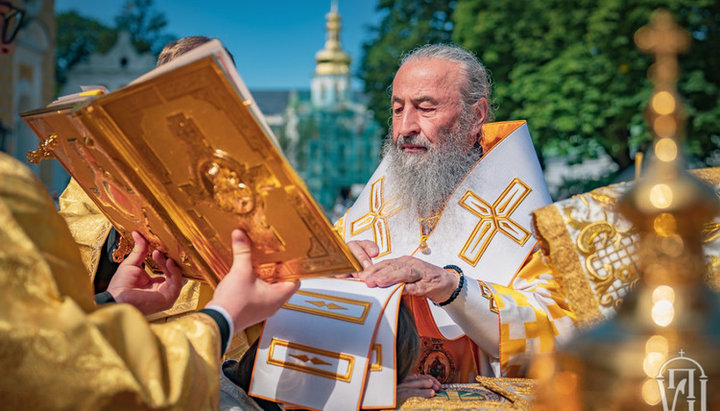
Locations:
column 184, row 156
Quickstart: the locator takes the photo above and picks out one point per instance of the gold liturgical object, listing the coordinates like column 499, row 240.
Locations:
column 184, row 158
column 662, row 351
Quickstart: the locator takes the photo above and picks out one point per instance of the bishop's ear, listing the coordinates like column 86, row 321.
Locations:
column 480, row 108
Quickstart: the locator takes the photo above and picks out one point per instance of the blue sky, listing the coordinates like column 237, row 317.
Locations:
column 273, row 41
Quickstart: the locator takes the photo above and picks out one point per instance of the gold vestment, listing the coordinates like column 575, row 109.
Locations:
column 58, row 350
column 592, row 249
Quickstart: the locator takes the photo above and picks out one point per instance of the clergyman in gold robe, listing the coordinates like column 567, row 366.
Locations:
column 59, row 350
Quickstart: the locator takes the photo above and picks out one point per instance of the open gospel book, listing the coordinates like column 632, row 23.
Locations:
column 183, row 155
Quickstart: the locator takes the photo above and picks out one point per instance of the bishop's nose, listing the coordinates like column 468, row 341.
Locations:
column 407, row 123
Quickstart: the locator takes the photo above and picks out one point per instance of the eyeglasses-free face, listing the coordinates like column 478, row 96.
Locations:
column 12, row 19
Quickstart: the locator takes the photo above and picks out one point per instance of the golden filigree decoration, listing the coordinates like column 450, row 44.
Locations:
column 43, row 151
column 376, row 218
column 493, row 219
column 229, row 189
column 228, row 184
column 125, row 245
column 608, row 253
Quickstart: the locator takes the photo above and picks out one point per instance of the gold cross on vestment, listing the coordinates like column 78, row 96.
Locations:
column 494, row 218
column 376, row 218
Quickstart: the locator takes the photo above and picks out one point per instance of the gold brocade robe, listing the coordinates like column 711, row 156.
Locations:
column 58, row 350
column 593, row 250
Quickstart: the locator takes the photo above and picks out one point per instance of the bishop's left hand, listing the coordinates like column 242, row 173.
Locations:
column 421, row 279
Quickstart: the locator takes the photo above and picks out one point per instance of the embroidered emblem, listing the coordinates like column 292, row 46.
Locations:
column 609, row 252
column 325, row 305
column 435, row 361
column 304, row 358
column 494, row 218
column 377, row 217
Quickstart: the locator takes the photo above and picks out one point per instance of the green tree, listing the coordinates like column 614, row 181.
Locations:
column 145, row 25
column 571, row 68
column 406, row 25
column 78, row 36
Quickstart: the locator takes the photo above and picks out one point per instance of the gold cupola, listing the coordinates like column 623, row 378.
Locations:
column 332, row 59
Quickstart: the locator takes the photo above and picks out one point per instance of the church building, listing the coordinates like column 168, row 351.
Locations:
column 329, row 135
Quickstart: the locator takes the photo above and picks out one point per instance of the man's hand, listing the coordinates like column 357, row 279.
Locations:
column 247, row 298
column 421, row 279
column 364, row 251
column 418, row 385
column 132, row 285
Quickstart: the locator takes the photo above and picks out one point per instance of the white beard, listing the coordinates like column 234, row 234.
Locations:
column 425, row 181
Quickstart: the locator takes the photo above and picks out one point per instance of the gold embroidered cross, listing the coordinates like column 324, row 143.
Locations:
column 494, row 218
column 377, row 217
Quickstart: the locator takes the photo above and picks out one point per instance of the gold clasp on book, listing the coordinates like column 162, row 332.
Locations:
column 44, row 150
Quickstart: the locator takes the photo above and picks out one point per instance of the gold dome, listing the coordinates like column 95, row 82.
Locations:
column 332, row 59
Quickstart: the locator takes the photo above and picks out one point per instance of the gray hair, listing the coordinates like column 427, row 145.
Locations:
column 477, row 84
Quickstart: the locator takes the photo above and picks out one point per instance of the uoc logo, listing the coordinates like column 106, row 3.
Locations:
column 682, row 379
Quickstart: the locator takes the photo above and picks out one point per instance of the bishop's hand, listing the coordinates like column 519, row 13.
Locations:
column 364, row 251
column 421, row 279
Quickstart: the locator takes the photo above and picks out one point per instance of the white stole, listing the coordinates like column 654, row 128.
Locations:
column 331, row 346
column 485, row 226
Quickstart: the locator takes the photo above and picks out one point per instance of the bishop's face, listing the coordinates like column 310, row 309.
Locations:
column 426, row 106
column 433, row 135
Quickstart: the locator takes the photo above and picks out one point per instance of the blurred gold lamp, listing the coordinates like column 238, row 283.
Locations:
column 662, row 350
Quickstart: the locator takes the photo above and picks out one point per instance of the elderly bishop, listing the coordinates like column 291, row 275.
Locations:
column 448, row 213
